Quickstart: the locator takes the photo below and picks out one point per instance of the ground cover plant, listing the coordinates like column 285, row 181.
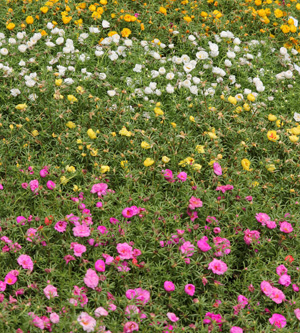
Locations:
column 149, row 166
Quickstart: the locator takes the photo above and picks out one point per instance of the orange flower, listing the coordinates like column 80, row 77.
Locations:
column 289, row 258
column 10, row 26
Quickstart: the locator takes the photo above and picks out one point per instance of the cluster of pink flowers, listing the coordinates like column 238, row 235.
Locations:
column 222, row 246
column 79, row 297
column 101, row 189
column 211, row 318
column 265, row 219
column 278, row 320
column 9, row 245
column 224, row 188
column 141, row 296
column 128, row 212
column 42, row 322
column 168, row 174
column 275, row 294
column 242, row 302
column 251, row 236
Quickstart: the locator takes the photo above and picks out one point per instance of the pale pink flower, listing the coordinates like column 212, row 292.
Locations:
column 87, row 322
column 25, row 261
column 101, row 312
column 217, row 169
column 2, row 286
column 131, row 310
column 91, row 278
column 262, row 218
column 81, row 231
column 100, row 189
column 195, row 203
column 50, row 291
column 297, row 313
column 187, row 248
column 285, row 280
column 189, row 289
column 54, row 318
column 130, row 326
column 278, row 320
column 125, row 251
column 281, row 269
column 169, row 286
column 218, row 267
column 266, row 288
column 78, row 249
column 172, row 317
column 251, row 236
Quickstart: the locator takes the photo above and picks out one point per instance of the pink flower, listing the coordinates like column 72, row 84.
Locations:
column 262, row 218
column 43, row 173
column 131, row 326
column 142, row 296
column 203, row 245
column 131, row 310
column 224, row 188
column 217, row 169
column 189, row 289
column 266, row 288
column 172, row 317
column 182, row 176
column 278, row 320
column 271, row 224
column 50, row 291
column 54, row 318
column 281, row 269
column 286, row 227
column 187, row 248
column 25, row 261
column 68, row 258
column 277, row 296
column 61, row 226
column 100, row 266
column 102, row 229
column 100, row 189
column 24, row 185
column 50, row 185
column 34, row 185
column 81, row 231
column 124, row 250
column 243, row 300
column 222, row 246
column 10, row 279
column 2, row 286
column 195, row 203
column 168, row 174
column 236, row 329
column 251, row 236
column 99, row 204
column 285, row 280
column 295, row 287
column 127, row 212
column 113, row 220
column 87, row 322
column 218, row 267
column 91, row 278
column 297, row 313
column 101, row 312
column 169, row 286
column 249, row 198
column 78, row 249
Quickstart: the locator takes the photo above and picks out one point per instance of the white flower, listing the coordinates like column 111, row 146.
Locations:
column 153, row 85
column 12, row 41
column 247, row 91
column 185, row 83
column 202, row 55
column 99, row 53
column 94, row 30
column 185, row 58
column 210, row 91
column 228, row 63
column 157, row 92
column 294, row 52
column 137, row 68
column 237, row 41
column 271, row 98
column 22, row 48
column 297, row 116
column 191, row 38
column 105, row 24
column 260, row 87
column 111, row 93
column 283, row 51
column 50, row 44
column 49, row 25
column 288, row 74
column 71, row 68
column 230, row 55
column 4, row 51
column 162, row 71
column 188, row 67
column 128, row 42
column 148, row 91
column 60, row 40
column 223, row 34
column 239, row 97
column 194, row 90
column 171, row 46
column 175, row 32
column 30, row 83
column 20, row 35
column 236, row 48
column 162, row 45
column 232, row 79
column 49, row 68
column 155, row 55
column 102, row 76
column 170, row 76
column 15, row 92
column 196, row 80
column 218, row 39
column 176, row 60
column 113, row 56
column 170, row 89
column 33, row 97
column 154, row 74
column 144, row 43
column 69, row 81
column 249, row 56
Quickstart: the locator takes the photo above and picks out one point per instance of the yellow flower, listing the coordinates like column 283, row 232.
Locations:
column 200, row 149
column 72, row 99
column 145, row 145
column 245, row 164
column 103, row 2
column 58, row 82
column 271, row 117
column 29, row 20
column 92, row 135
column 271, row 167
column 232, row 100
column 187, row 19
column 70, row 168
column 104, row 169
column 21, row 107
column 285, row 28
column 76, row 188
column 92, row 8
column 295, row 130
column 70, row 124
column 165, row 159
column 124, row 132
column 189, row 160
column 254, row 184
column 125, row 32
column 246, row 107
column 10, row 26
column 173, row 125
column 192, row 119
column 163, row 10
column 113, row 133
column 294, row 138
column 251, row 98
column 279, row 123
column 35, row 133
column 124, row 164
column 148, row 162
column 158, row 111
column 272, row 136
column 197, row 167
column 66, row 19
column 278, row 13
column 44, row 9
column 212, row 135
column 80, row 90
column 63, row 180
column 298, row 6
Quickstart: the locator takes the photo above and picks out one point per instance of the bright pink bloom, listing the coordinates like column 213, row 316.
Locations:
column 278, row 320
column 50, row 185
column 281, row 269
column 236, row 329
column 277, row 296
column 25, row 261
column 251, row 236
column 218, row 267
column 224, row 188
column 168, row 174
column 61, row 226
column 285, row 280
column 130, row 326
column 34, row 185
column 286, row 227
column 81, row 231
column 68, row 258
column 140, row 295
column 266, row 288
column 78, row 249
column 189, row 289
column 195, row 203
column 203, row 245
column 87, row 322
column 262, row 218
column 50, row 291
column 43, row 173
column 100, row 266
column 297, row 313
column 54, row 318
column 100, row 189
column 243, row 300
column 211, row 317
column 102, row 229
column 295, row 287
column 2, row 286
column 169, row 286
column 187, row 248
column 131, row 310
column 172, row 317
column 222, row 246
column 124, row 250
column 91, row 278
column 182, row 176
column 271, row 224
column 113, row 220
column 24, row 185
column 127, row 212
column 10, row 279
column 217, row 169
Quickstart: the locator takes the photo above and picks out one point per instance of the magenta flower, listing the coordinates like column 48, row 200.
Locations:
column 125, row 251
column 25, row 261
column 50, row 185
column 128, row 212
column 195, row 203
column 262, row 218
column 217, row 169
column 68, row 258
column 34, row 185
column 142, row 296
column 61, row 226
column 281, row 269
column 10, row 279
column 24, row 185
column 297, row 313
column 189, row 289
column 203, row 245
column 295, row 288
column 266, row 288
column 224, row 188
column 251, row 236
column 277, row 296
column 100, row 189
column 100, row 266
column 43, row 173
column 130, row 326
column 286, row 227
column 78, row 249
column 172, row 317
column 81, row 231
column 169, row 286
column 222, row 246
column 54, row 318
column 91, row 278
column 50, row 291
column 271, row 224
column 278, row 320
column 285, row 280
column 187, row 248
column 113, row 220
column 236, row 329
column 2, row 286
column 217, row 266
column 182, row 176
